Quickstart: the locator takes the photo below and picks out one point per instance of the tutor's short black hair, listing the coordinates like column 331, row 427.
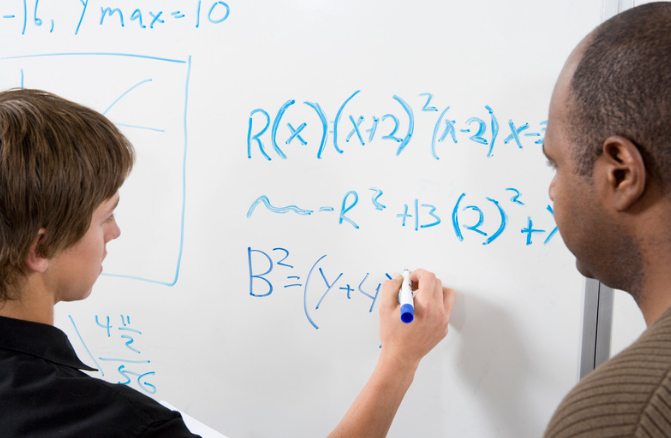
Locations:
column 622, row 86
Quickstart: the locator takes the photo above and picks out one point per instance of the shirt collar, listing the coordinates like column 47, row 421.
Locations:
column 41, row 340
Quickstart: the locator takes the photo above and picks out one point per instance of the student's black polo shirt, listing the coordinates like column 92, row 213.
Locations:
column 43, row 393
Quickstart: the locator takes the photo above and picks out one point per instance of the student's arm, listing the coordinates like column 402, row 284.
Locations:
column 403, row 346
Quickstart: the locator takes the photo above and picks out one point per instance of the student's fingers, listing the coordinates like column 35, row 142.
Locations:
column 390, row 290
column 428, row 287
column 449, row 298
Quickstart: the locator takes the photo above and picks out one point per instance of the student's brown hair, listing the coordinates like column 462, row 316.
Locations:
column 58, row 162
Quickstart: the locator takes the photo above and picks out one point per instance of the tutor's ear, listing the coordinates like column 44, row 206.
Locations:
column 625, row 171
column 34, row 261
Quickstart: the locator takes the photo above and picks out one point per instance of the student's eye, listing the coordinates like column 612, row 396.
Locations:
column 110, row 218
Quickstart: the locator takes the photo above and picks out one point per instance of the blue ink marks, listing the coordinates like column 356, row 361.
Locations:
column 433, row 214
column 481, row 219
column 293, row 277
column 259, row 276
column 81, row 18
column 356, row 130
column 137, row 15
column 476, row 227
column 543, row 129
column 435, row 133
column 305, row 293
column 124, row 94
column 198, row 14
column 286, row 256
column 183, row 179
column 411, row 124
column 146, row 128
column 455, row 218
column 295, row 133
column 106, row 326
column 349, row 290
column 477, row 137
column 502, row 226
column 322, row 118
column 36, row 20
column 329, row 286
column 226, row 12
column 109, row 11
column 372, row 297
column 495, row 129
column 85, row 346
column 515, row 133
column 9, row 16
column 114, row 359
column 376, row 197
column 25, row 17
column 128, row 329
column 392, row 134
column 182, row 219
column 516, row 197
column 372, row 129
column 345, row 208
column 426, row 106
column 554, row 230
column 128, row 344
column 276, row 124
column 405, row 215
column 281, row 210
column 157, row 19
column 258, row 134
column 337, row 120
column 147, row 387
column 326, row 208
column 177, row 14
column 529, row 230
column 127, row 55
column 22, row 79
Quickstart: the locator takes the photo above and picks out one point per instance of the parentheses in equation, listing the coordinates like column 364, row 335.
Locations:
column 337, row 120
column 495, row 129
column 305, row 292
column 455, row 212
column 435, row 134
column 276, row 124
column 411, row 124
column 504, row 219
column 325, row 127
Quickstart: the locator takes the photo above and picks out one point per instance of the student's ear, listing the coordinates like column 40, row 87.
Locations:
column 624, row 170
column 35, row 262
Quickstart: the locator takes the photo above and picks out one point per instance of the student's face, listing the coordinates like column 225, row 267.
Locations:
column 72, row 272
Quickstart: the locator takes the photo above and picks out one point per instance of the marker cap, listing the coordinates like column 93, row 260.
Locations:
column 407, row 313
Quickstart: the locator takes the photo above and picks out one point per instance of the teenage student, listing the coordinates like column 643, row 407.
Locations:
column 61, row 167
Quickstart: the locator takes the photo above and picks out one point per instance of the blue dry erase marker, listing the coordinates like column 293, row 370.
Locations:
column 405, row 297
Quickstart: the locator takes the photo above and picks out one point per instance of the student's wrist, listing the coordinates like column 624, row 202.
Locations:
column 401, row 365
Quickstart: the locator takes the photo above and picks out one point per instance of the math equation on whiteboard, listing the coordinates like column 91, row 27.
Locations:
column 480, row 219
column 276, row 133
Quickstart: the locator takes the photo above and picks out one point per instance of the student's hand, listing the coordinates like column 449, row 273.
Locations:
column 406, row 344
column 403, row 346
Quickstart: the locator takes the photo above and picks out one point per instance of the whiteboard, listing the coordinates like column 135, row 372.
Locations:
column 291, row 155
